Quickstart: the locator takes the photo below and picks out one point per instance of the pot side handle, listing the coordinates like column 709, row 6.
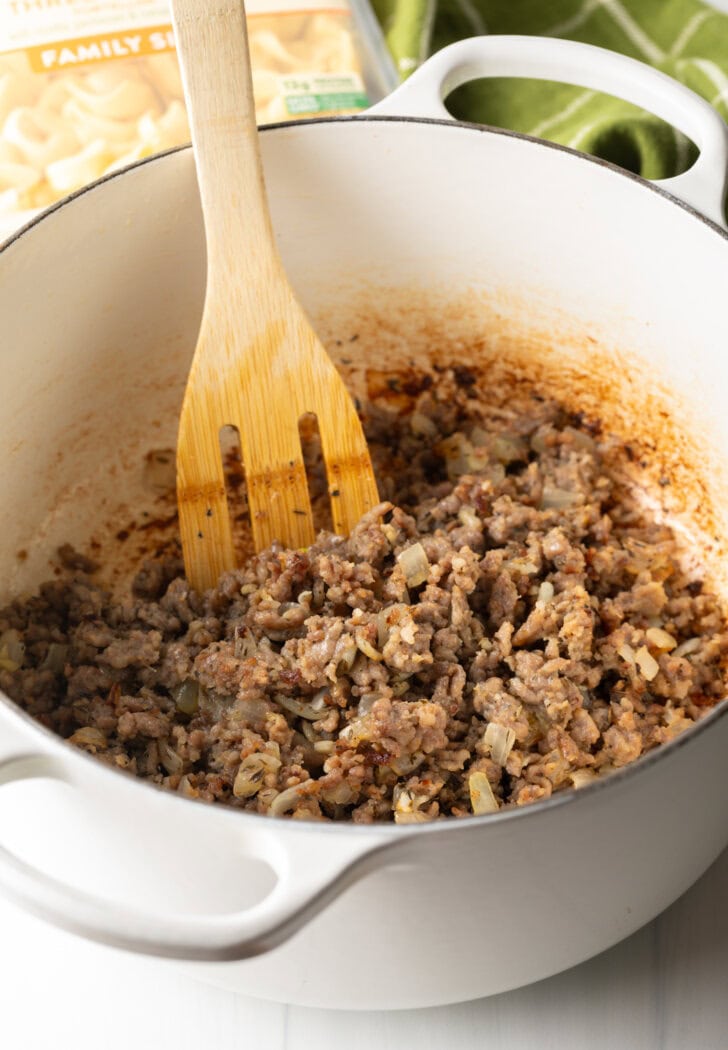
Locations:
column 703, row 187
column 313, row 866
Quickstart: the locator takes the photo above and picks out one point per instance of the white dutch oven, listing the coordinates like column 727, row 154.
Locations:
column 391, row 228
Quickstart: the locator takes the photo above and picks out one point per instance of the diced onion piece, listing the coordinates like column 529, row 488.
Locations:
column 554, row 498
column 676, row 722
column 686, row 648
column 403, row 801
column 249, row 777
column 477, row 459
column 286, row 801
column 389, row 532
column 345, row 655
column 468, row 517
column 213, row 705
column 646, row 662
column 414, row 564
column 185, row 788
column 660, row 639
column 627, row 653
column 580, row 439
column 451, row 447
column 169, row 758
column 406, row 807
column 367, row 648
column 506, row 448
column 339, row 795
column 482, row 798
column 253, row 710
column 580, row 777
column 188, row 697
column 545, row 592
column 307, row 734
column 455, row 449
column 423, row 426
column 244, row 644
column 356, row 730
column 319, row 701
column 523, row 565
column 12, row 651
column 495, row 474
column 55, row 659
column 87, row 736
column 383, row 627
column 406, row 764
column 539, row 443
column 312, row 710
column 416, row 816
column 500, row 740
column 366, row 703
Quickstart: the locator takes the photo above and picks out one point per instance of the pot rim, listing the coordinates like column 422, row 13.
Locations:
column 567, row 796
column 463, row 125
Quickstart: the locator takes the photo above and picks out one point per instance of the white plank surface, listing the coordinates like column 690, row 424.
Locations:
column 666, row 988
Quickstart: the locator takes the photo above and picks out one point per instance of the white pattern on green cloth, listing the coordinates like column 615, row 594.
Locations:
column 687, row 39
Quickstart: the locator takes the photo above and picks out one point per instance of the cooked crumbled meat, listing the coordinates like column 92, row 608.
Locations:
column 72, row 559
column 539, row 630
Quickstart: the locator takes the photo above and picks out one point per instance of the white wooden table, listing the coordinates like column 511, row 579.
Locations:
column 666, row 988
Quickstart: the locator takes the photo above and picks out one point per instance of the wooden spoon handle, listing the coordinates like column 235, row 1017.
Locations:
column 212, row 47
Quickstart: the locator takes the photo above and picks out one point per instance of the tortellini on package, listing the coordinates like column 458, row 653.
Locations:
column 87, row 88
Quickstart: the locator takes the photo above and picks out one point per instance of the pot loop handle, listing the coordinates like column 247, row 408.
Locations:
column 703, row 187
column 313, row 867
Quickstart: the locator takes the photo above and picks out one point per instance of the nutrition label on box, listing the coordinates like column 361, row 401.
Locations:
column 322, row 93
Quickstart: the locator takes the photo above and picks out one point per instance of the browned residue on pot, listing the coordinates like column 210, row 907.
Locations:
column 675, row 467
column 390, row 347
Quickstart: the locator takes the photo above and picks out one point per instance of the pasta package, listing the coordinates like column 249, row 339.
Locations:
column 89, row 86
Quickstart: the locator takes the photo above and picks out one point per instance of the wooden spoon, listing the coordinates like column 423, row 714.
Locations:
column 258, row 364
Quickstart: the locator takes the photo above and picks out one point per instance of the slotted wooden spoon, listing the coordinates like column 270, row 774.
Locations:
column 258, row 364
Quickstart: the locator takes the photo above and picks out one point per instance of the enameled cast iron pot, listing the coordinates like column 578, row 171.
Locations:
column 419, row 235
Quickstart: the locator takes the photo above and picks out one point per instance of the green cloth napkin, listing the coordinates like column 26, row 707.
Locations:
column 686, row 38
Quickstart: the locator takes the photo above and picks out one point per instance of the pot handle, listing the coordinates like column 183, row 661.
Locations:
column 703, row 187
column 312, row 865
